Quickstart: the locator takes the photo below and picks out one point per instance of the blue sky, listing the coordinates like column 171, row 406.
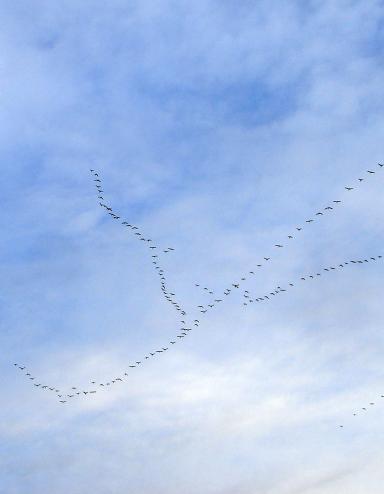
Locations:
column 218, row 128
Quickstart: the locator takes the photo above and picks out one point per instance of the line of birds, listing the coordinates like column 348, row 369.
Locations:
column 184, row 330
column 154, row 250
column 331, row 207
column 227, row 291
column 249, row 298
column 363, row 409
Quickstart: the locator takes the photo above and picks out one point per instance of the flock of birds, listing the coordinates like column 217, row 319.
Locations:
column 190, row 322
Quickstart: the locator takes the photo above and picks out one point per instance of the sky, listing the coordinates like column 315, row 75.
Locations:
column 217, row 127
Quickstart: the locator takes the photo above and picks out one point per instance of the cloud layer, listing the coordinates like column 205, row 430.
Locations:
column 218, row 128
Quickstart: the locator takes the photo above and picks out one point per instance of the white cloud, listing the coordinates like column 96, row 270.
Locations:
column 155, row 96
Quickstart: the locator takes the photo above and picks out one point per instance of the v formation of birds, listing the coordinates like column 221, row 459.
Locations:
column 190, row 322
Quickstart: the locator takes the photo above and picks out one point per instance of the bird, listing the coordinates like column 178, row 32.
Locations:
column 278, row 245
column 62, row 401
column 298, row 229
column 360, row 179
column 349, row 188
column 290, row 236
column 319, row 213
column 267, row 258
column 337, row 202
column 308, row 221
column 370, row 171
